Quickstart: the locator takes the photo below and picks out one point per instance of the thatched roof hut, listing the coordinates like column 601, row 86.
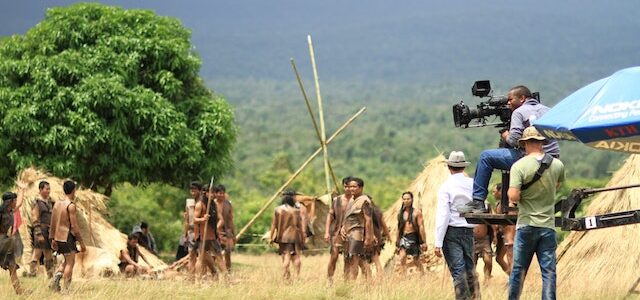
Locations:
column 425, row 192
column 103, row 241
column 605, row 259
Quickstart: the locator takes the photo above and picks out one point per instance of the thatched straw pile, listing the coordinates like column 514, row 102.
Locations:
column 103, row 240
column 605, row 259
column 425, row 192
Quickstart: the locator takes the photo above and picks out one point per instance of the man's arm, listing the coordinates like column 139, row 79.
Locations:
column 329, row 220
column 442, row 219
column 75, row 229
column 198, row 212
column 143, row 257
column 220, row 226
column 516, row 128
column 514, row 194
column 230, row 225
column 272, row 235
column 423, row 235
column 369, row 237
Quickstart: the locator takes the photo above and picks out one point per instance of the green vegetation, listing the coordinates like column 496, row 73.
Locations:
column 108, row 95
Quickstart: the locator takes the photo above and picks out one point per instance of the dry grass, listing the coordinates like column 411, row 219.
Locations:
column 258, row 277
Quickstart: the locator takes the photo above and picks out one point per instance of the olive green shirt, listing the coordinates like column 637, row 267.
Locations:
column 536, row 206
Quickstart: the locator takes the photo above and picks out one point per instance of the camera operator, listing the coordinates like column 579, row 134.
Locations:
column 525, row 108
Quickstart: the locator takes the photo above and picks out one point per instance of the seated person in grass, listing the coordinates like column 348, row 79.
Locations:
column 129, row 258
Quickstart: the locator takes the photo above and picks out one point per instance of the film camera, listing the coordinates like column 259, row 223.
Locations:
column 496, row 106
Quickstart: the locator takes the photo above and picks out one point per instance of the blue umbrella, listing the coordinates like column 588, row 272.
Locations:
column 604, row 114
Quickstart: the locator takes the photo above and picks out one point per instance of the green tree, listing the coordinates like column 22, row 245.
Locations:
column 108, row 95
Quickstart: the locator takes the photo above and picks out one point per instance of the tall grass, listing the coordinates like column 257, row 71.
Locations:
column 259, row 277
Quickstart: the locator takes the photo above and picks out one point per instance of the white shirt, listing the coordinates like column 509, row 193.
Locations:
column 453, row 193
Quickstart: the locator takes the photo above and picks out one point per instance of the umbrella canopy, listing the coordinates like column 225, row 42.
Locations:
column 604, row 114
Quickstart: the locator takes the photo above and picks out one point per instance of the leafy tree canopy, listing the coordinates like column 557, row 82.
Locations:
column 108, row 95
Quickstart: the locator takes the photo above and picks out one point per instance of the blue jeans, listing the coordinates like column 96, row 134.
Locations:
column 501, row 158
column 457, row 248
column 542, row 242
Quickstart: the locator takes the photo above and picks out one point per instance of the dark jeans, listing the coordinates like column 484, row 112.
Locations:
column 501, row 158
column 542, row 242
column 458, row 252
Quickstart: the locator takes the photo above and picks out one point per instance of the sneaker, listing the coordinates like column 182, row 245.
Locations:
column 475, row 206
column 54, row 285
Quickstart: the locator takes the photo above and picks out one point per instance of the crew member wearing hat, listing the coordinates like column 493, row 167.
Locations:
column 8, row 244
column 535, row 198
column 454, row 236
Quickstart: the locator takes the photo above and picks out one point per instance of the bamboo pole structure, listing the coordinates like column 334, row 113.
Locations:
column 297, row 172
column 313, row 120
column 320, row 111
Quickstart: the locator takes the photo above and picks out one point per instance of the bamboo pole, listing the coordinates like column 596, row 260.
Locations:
column 313, row 120
column 203, row 240
column 294, row 175
column 321, row 113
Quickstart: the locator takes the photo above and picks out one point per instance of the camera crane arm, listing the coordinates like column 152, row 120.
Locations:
column 569, row 206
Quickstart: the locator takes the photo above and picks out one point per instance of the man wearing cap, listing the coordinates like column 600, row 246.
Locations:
column 454, row 236
column 525, row 109
column 64, row 233
column 535, row 197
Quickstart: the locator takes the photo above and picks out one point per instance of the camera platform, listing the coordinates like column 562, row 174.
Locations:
column 490, row 219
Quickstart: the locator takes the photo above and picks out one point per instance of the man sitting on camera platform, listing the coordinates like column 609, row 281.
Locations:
column 525, row 109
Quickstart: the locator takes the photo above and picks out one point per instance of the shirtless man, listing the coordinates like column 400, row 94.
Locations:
column 411, row 238
column 189, row 216
column 212, row 254
column 64, row 233
column 41, row 215
column 332, row 228
column 504, row 237
column 482, row 236
column 357, row 228
column 288, row 232
column 129, row 258
column 225, row 227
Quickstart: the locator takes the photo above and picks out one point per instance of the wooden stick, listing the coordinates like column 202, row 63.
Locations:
column 294, row 175
column 203, row 240
column 313, row 120
column 321, row 113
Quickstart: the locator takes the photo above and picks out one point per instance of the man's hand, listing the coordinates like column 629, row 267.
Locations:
column 504, row 135
column 54, row 245
column 423, row 247
column 326, row 237
column 438, row 251
column 40, row 238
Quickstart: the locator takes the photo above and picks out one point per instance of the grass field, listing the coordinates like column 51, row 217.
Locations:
column 259, row 277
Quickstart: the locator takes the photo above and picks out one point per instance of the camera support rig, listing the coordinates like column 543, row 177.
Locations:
column 567, row 208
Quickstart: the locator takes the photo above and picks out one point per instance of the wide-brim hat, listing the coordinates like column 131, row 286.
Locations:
column 531, row 133
column 457, row 160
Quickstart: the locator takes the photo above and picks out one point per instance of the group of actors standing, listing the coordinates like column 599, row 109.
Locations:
column 55, row 228
column 209, row 233
column 535, row 173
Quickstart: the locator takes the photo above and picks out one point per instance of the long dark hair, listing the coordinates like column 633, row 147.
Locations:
column 401, row 212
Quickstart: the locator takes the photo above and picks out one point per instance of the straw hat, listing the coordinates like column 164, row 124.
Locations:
column 457, row 160
column 531, row 133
